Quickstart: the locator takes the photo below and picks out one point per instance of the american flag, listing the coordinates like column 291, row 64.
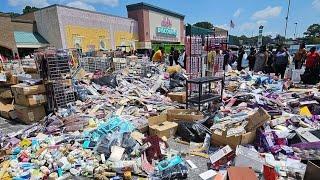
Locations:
column 232, row 24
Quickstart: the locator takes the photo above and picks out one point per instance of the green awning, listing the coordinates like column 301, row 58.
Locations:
column 29, row 39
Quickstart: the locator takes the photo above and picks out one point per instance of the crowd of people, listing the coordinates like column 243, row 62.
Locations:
column 276, row 61
column 175, row 56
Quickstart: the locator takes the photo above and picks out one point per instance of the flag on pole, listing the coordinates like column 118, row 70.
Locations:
column 232, row 24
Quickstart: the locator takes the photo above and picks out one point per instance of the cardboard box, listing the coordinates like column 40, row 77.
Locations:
column 216, row 156
column 24, row 89
column 30, row 100
column 246, row 157
column 7, row 110
column 257, row 119
column 241, row 173
column 30, row 115
column 312, row 170
column 6, row 93
column 233, row 141
column 179, row 97
column 184, row 114
column 158, row 125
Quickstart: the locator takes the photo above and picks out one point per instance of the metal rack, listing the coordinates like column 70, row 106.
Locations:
column 54, row 67
column 92, row 64
column 203, row 95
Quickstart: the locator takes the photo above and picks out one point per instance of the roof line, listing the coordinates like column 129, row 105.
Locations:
column 5, row 14
column 153, row 8
column 22, row 21
column 95, row 12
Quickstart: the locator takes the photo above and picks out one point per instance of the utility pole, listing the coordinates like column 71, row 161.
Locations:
column 295, row 30
column 287, row 17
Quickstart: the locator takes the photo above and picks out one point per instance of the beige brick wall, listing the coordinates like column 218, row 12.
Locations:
column 6, row 35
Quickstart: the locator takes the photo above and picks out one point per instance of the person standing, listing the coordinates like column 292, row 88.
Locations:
column 251, row 58
column 16, row 56
column 313, row 60
column 159, row 55
column 261, row 59
column 300, row 56
column 171, row 56
column 239, row 60
column 311, row 74
column 176, row 55
column 281, row 61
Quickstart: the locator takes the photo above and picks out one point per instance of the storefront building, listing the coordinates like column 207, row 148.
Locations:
column 157, row 26
column 67, row 28
column 19, row 35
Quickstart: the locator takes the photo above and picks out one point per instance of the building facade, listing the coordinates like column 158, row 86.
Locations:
column 157, row 25
column 19, row 35
column 66, row 27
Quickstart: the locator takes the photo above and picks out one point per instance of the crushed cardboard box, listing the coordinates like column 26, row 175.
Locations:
column 24, row 89
column 179, row 97
column 30, row 115
column 233, row 141
column 160, row 126
column 30, row 100
column 7, row 110
column 184, row 114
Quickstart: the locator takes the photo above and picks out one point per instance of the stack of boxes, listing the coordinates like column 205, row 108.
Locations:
column 29, row 100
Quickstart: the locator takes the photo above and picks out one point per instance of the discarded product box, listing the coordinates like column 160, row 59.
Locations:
column 7, row 110
column 5, row 93
column 179, row 97
column 312, row 170
column 30, row 100
column 24, row 89
column 237, row 173
column 245, row 157
column 184, row 114
column 257, row 119
column 160, row 126
column 30, row 115
column 233, row 141
column 220, row 154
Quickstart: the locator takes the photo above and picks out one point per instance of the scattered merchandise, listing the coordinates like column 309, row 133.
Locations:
column 123, row 115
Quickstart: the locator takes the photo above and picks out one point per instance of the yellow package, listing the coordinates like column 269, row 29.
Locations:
column 173, row 69
column 304, row 111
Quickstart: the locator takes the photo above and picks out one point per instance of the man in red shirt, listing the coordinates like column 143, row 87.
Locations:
column 313, row 59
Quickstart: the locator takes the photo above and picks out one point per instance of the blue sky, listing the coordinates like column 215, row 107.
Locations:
column 246, row 14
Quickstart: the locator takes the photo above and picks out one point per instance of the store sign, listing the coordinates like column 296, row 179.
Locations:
column 166, row 28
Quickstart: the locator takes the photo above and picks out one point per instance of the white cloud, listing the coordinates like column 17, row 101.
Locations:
column 262, row 22
column 223, row 26
column 272, row 33
column 111, row 3
column 268, row 12
column 316, row 4
column 81, row 5
column 22, row 3
column 249, row 26
column 237, row 13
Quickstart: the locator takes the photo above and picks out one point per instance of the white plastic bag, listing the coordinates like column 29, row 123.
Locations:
column 296, row 75
column 244, row 62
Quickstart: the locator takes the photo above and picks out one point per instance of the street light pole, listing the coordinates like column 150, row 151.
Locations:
column 287, row 17
column 295, row 30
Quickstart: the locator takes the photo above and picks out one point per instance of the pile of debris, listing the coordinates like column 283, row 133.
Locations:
column 122, row 124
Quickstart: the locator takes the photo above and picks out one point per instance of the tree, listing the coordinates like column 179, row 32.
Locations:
column 313, row 31
column 312, row 35
column 28, row 9
column 279, row 39
column 13, row 14
column 204, row 24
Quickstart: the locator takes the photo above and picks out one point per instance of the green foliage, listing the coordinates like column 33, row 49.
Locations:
column 312, row 35
column 28, row 9
column 204, row 24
